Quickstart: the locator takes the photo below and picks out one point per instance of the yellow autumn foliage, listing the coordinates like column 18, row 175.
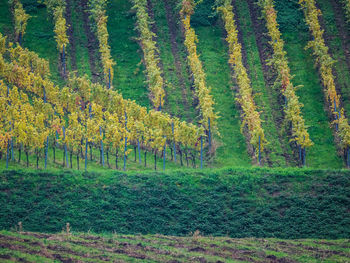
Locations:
column 325, row 65
column 206, row 101
column 82, row 108
column 150, row 52
column 58, row 9
column 98, row 13
column 250, row 115
column 279, row 61
column 20, row 18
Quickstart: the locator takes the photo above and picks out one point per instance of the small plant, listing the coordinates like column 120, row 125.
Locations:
column 20, row 227
column 68, row 228
column 196, row 235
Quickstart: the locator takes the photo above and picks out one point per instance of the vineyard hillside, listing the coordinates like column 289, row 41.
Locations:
column 234, row 141
column 174, row 130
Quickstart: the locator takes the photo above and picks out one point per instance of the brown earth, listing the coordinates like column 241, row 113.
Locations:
column 63, row 247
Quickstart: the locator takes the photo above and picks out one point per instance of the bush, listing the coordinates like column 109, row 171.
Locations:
column 280, row 203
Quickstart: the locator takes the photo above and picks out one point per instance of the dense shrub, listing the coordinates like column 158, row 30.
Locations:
column 235, row 202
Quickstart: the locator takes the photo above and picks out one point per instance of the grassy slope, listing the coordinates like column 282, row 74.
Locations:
column 323, row 152
column 128, row 73
column 232, row 150
column 126, row 52
column 85, row 247
column 6, row 25
column 40, row 38
column 336, row 49
column 283, row 203
column 81, row 42
column 266, row 98
column 175, row 104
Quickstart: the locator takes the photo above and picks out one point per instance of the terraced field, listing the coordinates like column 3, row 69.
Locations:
column 83, row 247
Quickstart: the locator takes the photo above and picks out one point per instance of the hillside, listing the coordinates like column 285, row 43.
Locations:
column 232, row 141
column 78, row 247
column 174, row 131
column 282, row 203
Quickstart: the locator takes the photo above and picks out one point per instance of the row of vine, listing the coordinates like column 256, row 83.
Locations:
column 250, row 115
column 82, row 112
column 20, row 19
column 150, row 51
column 98, row 13
column 58, row 9
column 325, row 64
column 279, row 61
column 206, row 101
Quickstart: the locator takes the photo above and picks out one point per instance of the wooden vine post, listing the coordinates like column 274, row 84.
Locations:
column 7, row 154
column 174, row 146
column 139, row 151
column 126, row 140
column 164, row 154
column 102, row 152
column 46, row 150
column 86, row 155
column 201, row 152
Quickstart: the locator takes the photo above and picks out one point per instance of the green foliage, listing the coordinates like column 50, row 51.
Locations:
column 283, row 203
column 323, row 153
column 6, row 24
column 130, row 80
column 204, row 14
column 31, row 5
column 266, row 98
column 290, row 17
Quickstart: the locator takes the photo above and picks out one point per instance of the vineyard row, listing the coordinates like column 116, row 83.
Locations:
column 86, row 113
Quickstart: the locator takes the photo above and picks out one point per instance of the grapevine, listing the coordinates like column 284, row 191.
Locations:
column 206, row 102
column 292, row 109
column 250, row 115
column 325, row 64
column 21, row 19
column 82, row 108
column 58, row 9
column 150, row 51
column 98, row 13
column 346, row 6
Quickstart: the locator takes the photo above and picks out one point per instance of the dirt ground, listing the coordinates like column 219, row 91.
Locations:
column 86, row 247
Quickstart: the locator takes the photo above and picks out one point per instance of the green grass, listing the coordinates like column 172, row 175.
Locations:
column 323, row 153
column 175, row 104
column 236, row 202
column 336, row 50
column 81, row 41
column 87, row 247
column 39, row 38
column 232, row 145
column 266, row 97
column 129, row 78
column 6, row 22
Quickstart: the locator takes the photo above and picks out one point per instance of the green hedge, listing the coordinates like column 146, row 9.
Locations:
column 256, row 202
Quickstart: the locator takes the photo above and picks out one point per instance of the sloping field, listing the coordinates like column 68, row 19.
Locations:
column 233, row 146
column 63, row 247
